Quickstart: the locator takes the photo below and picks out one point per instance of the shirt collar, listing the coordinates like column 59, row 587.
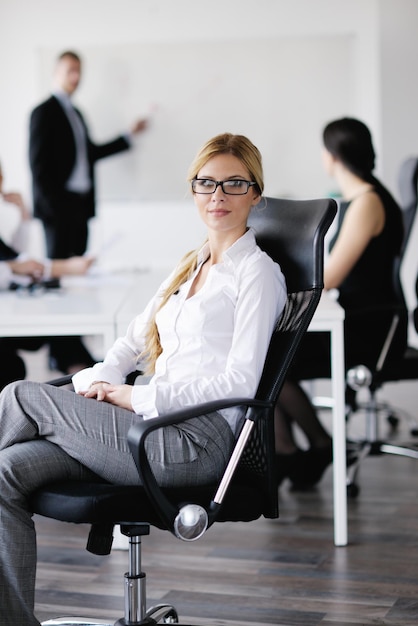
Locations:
column 233, row 255
column 62, row 97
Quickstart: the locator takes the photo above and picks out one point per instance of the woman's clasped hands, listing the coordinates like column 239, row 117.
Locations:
column 119, row 395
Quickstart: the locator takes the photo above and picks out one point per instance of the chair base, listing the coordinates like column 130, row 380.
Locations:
column 375, row 448
column 159, row 614
column 87, row 621
column 393, row 415
column 134, row 581
column 75, row 621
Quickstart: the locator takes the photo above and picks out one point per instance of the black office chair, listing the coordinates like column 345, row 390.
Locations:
column 408, row 194
column 415, row 311
column 388, row 369
column 360, row 377
column 408, row 368
column 292, row 232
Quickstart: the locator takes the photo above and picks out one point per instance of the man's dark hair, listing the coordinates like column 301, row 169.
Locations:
column 71, row 54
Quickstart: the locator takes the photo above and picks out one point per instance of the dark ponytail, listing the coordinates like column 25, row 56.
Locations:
column 350, row 141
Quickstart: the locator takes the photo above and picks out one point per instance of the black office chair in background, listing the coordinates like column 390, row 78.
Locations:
column 415, row 311
column 388, row 369
column 408, row 369
column 292, row 232
column 408, row 196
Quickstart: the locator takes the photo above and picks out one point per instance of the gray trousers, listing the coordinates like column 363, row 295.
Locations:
column 49, row 434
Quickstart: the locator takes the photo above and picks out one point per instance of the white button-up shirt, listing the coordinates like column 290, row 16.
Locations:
column 214, row 343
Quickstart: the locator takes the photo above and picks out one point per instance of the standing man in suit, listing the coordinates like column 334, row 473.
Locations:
column 62, row 158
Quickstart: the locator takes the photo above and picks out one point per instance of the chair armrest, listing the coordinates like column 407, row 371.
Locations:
column 139, row 432
column 60, row 382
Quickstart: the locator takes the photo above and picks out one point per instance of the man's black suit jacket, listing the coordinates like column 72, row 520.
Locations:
column 52, row 153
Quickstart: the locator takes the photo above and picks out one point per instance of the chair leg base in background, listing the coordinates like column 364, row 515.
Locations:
column 375, row 448
column 81, row 621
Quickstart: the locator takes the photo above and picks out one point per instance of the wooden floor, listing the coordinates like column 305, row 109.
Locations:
column 285, row 572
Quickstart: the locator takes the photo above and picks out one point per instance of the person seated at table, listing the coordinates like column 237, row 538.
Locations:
column 16, row 268
column 203, row 336
column 360, row 265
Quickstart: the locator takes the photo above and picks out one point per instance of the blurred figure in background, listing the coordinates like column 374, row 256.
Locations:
column 62, row 158
column 67, row 353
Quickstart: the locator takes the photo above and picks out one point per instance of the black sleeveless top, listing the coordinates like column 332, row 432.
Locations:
column 370, row 282
column 368, row 286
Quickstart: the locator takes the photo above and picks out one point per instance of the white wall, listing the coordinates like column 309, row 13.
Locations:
column 195, row 90
column 384, row 95
column 399, row 87
column 28, row 28
column 399, row 111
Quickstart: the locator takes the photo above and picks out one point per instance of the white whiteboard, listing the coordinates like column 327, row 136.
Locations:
column 278, row 92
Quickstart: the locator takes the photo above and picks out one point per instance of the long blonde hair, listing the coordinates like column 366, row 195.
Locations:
column 250, row 157
column 153, row 348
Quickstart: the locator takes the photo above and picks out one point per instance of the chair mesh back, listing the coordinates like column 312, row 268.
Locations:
column 258, row 459
column 292, row 232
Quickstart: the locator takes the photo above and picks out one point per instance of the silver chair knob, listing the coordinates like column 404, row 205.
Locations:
column 191, row 522
column 359, row 377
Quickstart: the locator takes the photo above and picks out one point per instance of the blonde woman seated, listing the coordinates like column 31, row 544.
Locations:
column 203, row 336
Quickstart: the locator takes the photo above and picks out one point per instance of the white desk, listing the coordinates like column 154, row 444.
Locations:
column 329, row 317
column 82, row 306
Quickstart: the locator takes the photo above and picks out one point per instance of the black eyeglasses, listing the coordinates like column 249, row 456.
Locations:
column 233, row 187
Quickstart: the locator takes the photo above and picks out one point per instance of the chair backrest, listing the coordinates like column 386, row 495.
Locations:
column 397, row 314
column 292, row 232
column 408, row 193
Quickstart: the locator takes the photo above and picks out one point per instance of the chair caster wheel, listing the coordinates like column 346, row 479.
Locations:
column 393, row 421
column 353, row 490
column 164, row 612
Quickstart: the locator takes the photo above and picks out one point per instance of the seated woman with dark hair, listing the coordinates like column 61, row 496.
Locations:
column 361, row 264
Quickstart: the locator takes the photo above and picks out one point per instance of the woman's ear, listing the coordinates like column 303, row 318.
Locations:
column 257, row 196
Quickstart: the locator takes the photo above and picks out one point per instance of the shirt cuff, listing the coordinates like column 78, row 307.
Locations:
column 83, row 379
column 47, row 263
column 143, row 400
